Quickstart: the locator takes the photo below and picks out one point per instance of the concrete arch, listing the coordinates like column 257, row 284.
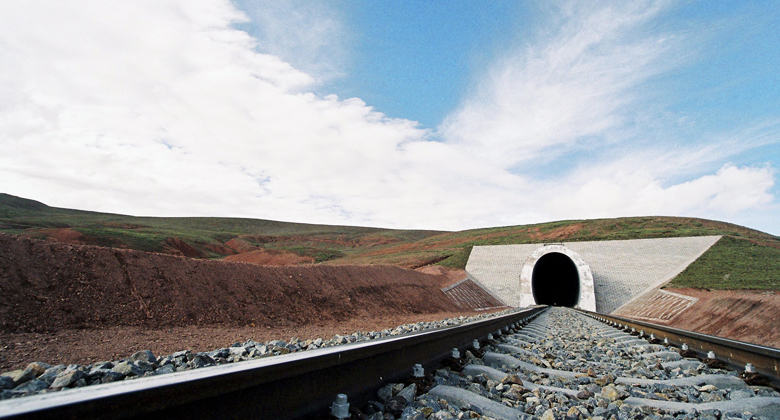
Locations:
column 565, row 264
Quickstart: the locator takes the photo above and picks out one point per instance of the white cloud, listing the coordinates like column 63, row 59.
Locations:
column 310, row 35
column 164, row 108
column 574, row 83
column 634, row 191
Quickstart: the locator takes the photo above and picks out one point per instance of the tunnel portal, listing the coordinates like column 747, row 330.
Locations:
column 555, row 280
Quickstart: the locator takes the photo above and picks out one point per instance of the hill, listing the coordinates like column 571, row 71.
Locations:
column 279, row 243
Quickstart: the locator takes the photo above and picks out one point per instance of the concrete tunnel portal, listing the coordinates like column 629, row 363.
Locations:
column 555, row 280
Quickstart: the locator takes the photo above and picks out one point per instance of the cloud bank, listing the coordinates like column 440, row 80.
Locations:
column 165, row 108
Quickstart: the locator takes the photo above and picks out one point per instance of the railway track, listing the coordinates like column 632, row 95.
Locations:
column 545, row 363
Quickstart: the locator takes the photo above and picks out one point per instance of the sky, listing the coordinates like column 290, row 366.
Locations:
column 433, row 114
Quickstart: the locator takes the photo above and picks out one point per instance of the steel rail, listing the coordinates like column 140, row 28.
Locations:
column 281, row 387
column 736, row 354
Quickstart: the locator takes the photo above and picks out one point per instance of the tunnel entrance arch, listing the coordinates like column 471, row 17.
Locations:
column 555, row 281
column 556, row 275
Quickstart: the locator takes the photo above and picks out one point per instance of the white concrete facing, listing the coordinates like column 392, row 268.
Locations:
column 619, row 270
column 587, row 299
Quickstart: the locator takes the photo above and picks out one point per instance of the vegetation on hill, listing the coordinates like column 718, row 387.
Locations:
column 204, row 237
column 207, row 235
column 733, row 263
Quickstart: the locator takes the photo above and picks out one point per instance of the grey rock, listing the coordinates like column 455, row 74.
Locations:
column 103, row 365
column 410, row 413
column 6, row 382
column 741, row 394
column 224, row 353
column 201, row 360
column 97, row 373
column 280, row 350
column 144, row 366
column 32, row 386
column 253, row 343
column 144, row 356
column 164, row 369
column 396, row 405
column 182, row 353
column 584, row 394
column 20, row 376
column 67, row 378
column 409, row 392
column 127, row 369
column 167, row 360
column 111, row 376
column 237, row 351
column 51, row 374
column 385, row 393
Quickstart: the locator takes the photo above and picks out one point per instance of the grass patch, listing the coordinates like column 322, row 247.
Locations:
column 733, row 263
column 123, row 238
column 319, row 254
column 458, row 259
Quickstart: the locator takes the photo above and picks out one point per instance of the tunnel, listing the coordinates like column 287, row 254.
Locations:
column 555, row 281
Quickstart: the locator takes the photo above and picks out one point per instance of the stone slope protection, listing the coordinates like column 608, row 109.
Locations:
column 598, row 276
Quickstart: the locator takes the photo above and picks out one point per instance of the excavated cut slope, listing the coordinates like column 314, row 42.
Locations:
column 47, row 286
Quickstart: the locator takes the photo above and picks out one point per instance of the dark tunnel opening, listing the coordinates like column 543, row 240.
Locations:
column 555, row 281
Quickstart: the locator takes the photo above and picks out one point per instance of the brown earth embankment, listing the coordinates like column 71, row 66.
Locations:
column 47, row 287
column 746, row 315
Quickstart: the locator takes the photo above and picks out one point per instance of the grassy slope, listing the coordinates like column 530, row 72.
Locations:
column 31, row 218
column 733, row 263
column 457, row 245
column 407, row 248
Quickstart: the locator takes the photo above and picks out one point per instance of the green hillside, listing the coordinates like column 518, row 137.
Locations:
column 733, row 263
column 749, row 257
column 206, row 234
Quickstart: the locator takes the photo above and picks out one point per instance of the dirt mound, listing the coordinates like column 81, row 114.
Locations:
column 270, row 257
column 64, row 235
column 46, row 286
column 240, row 245
column 176, row 246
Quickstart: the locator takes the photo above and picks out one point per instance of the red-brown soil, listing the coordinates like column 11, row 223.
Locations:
column 745, row 315
column 240, row 245
column 557, row 233
column 61, row 298
column 270, row 257
column 444, row 275
column 176, row 246
column 64, row 235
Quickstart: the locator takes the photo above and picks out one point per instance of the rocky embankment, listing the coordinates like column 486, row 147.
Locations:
column 567, row 366
column 40, row 377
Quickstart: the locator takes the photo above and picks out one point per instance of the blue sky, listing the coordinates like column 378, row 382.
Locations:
column 435, row 115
